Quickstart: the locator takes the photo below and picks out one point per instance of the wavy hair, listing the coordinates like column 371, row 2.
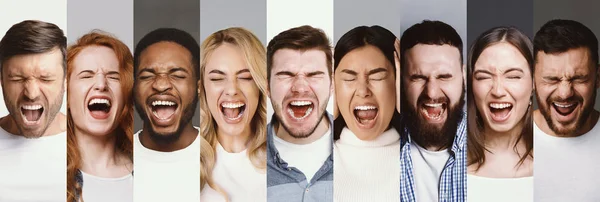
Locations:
column 124, row 132
column 255, row 55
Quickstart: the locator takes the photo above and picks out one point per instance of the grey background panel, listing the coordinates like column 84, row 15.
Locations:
column 348, row 14
column 216, row 15
column 84, row 16
column 153, row 14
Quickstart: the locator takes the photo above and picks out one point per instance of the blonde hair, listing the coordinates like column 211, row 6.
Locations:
column 255, row 55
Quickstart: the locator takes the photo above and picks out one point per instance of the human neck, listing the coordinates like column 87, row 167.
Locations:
column 187, row 137
column 319, row 132
column 234, row 143
column 588, row 125
column 98, row 154
column 502, row 141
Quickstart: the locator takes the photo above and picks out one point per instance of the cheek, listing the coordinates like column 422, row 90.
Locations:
column 481, row 90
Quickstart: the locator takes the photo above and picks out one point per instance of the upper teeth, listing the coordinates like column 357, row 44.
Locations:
column 32, row 107
column 300, row 103
column 159, row 102
column 563, row 105
column 99, row 101
column 364, row 107
column 500, row 105
column 232, row 105
column 433, row 104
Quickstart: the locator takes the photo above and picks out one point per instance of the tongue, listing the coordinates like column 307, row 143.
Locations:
column 299, row 111
column 231, row 112
column 164, row 112
column 565, row 110
column 501, row 112
column 434, row 110
column 32, row 115
column 366, row 114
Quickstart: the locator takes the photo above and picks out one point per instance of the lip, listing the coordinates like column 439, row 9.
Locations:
column 500, row 119
column 443, row 114
column 162, row 122
column 565, row 118
column 299, row 120
column 30, row 124
column 234, row 120
column 369, row 124
column 99, row 116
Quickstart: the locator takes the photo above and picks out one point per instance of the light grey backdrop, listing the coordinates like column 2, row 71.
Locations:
column 153, row 14
column 452, row 12
column 216, row 15
column 583, row 11
column 348, row 14
column 84, row 16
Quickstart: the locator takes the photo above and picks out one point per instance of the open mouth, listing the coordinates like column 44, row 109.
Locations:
column 300, row 109
column 434, row 111
column 500, row 111
column 99, row 108
column 233, row 111
column 163, row 109
column 564, row 108
column 365, row 114
column 32, row 113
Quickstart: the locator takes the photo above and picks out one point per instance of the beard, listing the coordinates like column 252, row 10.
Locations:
column 428, row 135
column 579, row 121
column 167, row 138
column 295, row 133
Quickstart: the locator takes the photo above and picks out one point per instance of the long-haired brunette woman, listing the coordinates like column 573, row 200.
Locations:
column 233, row 116
column 500, row 136
column 100, row 119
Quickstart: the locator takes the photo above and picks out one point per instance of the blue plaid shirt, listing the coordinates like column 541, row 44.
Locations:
column 453, row 181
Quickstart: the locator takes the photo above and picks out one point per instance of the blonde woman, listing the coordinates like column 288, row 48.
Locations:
column 233, row 117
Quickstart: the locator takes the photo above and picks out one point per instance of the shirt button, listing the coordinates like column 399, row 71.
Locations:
column 289, row 169
column 307, row 190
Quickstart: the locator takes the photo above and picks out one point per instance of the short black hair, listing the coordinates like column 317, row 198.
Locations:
column 430, row 33
column 171, row 35
column 559, row 36
column 31, row 37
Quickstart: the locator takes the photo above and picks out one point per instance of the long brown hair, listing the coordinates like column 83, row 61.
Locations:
column 475, row 134
column 124, row 132
column 255, row 55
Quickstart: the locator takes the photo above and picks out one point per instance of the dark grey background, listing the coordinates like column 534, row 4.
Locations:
column 583, row 11
column 153, row 14
column 216, row 15
column 452, row 12
column 348, row 14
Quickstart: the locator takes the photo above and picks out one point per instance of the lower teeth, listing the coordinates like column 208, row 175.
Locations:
column 308, row 111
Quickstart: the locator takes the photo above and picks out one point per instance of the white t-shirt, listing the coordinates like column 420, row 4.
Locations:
column 166, row 176
column 308, row 158
column 367, row 170
column 427, row 169
column 237, row 176
column 485, row 189
column 567, row 169
column 100, row 189
column 33, row 169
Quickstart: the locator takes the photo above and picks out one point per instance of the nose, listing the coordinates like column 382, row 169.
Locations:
column 362, row 88
column 100, row 82
column 565, row 90
column 162, row 83
column 231, row 88
column 32, row 89
column 300, row 84
column 432, row 87
column 498, row 89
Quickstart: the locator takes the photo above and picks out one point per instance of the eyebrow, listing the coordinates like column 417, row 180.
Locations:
column 377, row 70
column 347, row 71
column 482, row 71
column 86, row 71
column 315, row 73
column 513, row 69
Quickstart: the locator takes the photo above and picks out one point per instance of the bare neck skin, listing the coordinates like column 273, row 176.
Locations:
column 234, row 143
column 541, row 123
column 188, row 135
column 99, row 156
column 58, row 125
column 317, row 134
column 502, row 159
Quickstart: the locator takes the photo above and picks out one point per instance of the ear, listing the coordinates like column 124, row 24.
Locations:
column 199, row 88
column 397, row 63
column 464, row 74
column 268, row 89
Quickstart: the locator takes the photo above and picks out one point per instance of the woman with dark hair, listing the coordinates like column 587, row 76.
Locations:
column 99, row 120
column 500, row 136
column 367, row 147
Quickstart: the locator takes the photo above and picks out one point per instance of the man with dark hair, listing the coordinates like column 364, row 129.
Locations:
column 566, row 129
column 166, row 81
column 33, row 137
column 433, row 152
column 299, row 137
